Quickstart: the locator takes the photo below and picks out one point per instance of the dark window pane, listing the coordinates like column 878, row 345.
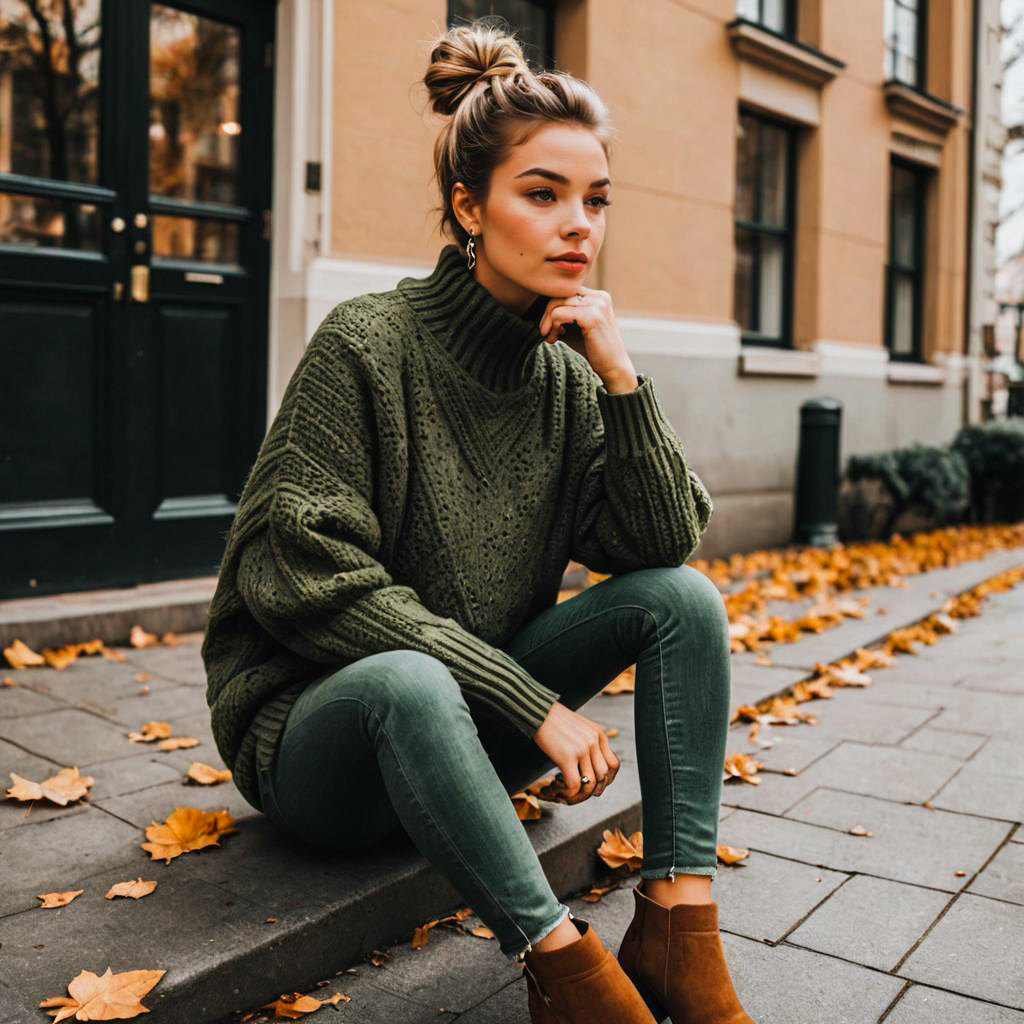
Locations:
column 770, row 284
column 194, row 125
column 195, row 239
column 904, row 217
column 746, row 168
column 773, row 175
column 770, row 13
column 49, row 88
column 906, row 31
column 774, row 15
column 528, row 19
column 743, row 285
column 49, row 223
column 902, row 338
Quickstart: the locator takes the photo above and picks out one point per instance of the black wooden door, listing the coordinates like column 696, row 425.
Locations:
column 135, row 160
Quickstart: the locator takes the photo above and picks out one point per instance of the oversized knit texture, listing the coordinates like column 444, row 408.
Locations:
column 431, row 470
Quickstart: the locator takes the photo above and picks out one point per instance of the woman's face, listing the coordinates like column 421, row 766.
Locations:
column 546, row 199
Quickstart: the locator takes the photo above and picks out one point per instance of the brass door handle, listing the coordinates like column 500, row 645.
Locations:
column 140, row 283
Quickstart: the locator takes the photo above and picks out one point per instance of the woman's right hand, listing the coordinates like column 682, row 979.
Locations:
column 578, row 747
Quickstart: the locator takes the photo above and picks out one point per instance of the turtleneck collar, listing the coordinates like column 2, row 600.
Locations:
column 494, row 345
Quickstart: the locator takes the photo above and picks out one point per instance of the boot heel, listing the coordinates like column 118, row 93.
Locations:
column 658, row 1011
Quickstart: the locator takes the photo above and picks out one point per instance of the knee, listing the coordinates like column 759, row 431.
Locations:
column 408, row 681
column 682, row 592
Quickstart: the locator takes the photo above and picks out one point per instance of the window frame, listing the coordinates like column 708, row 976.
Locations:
column 789, row 29
column 921, row 176
column 788, row 232
column 921, row 42
column 548, row 8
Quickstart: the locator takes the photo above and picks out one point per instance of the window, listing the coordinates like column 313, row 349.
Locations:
column 905, row 48
column 532, row 21
column 765, row 151
column 904, row 271
column 777, row 15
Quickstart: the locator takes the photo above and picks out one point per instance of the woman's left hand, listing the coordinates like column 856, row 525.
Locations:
column 586, row 323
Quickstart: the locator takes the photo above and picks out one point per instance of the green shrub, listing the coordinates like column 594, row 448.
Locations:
column 994, row 453
column 928, row 479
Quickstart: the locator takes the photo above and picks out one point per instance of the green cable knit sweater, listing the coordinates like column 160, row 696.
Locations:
column 432, row 468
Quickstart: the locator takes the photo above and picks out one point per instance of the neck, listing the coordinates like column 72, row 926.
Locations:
column 514, row 298
column 494, row 344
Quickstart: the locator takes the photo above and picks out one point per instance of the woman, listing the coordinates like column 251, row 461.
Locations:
column 385, row 650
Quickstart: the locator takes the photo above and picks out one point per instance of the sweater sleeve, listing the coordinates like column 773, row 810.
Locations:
column 313, row 581
column 640, row 505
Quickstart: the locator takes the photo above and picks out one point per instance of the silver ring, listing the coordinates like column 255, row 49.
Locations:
column 585, row 779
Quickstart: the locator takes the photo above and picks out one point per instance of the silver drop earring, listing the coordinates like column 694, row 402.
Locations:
column 471, row 250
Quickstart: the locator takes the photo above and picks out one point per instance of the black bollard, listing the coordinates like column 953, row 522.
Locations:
column 817, row 473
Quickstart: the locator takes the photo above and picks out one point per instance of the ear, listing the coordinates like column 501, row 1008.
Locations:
column 467, row 210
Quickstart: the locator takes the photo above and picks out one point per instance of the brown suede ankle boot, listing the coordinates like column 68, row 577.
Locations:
column 581, row 983
column 674, row 957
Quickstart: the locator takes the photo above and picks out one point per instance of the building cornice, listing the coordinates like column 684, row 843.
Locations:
column 779, row 53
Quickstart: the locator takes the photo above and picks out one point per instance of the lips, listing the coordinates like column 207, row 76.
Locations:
column 568, row 258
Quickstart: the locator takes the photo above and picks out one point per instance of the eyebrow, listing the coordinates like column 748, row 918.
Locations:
column 560, row 178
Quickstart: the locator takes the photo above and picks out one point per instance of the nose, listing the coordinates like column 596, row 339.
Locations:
column 577, row 224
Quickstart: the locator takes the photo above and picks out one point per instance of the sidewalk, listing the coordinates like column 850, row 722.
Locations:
column 818, row 924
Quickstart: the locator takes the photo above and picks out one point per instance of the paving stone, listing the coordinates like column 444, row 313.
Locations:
column 891, row 691
column 1000, row 715
column 891, row 772
column 775, row 794
column 793, row 749
column 1003, row 877
column 944, row 741
column 850, row 716
column 130, row 774
column 20, row 700
column 83, row 681
column 70, row 736
column 453, row 971
column 910, row 844
column 983, row 793
column 997, row 678
column 871, row 921
column 786, row 985
column 182, row 663
column 1002, row 757
column 739, row 890
column 994, row 933
column 49, row 854
column 165, row 702
column 156, row 802
column 923, row 1005
column 507, row 1006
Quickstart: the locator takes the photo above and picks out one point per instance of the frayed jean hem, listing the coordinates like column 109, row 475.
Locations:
column 563, row 913
column 670, row 873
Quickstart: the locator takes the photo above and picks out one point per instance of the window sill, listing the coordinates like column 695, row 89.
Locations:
column 921, row 108
column 794, row 59
column 900, row 372
column 762, row 361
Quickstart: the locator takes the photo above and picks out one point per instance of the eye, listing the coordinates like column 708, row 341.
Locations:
column 542, row 193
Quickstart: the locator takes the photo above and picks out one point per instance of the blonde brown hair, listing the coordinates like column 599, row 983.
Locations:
column 479, row 78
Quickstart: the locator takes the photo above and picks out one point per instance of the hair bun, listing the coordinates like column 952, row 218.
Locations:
column 466, row 55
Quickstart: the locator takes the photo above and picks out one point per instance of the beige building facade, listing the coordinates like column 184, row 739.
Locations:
column 794, row 211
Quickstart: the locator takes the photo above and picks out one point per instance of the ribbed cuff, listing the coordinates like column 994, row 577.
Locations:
column 633, row 420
